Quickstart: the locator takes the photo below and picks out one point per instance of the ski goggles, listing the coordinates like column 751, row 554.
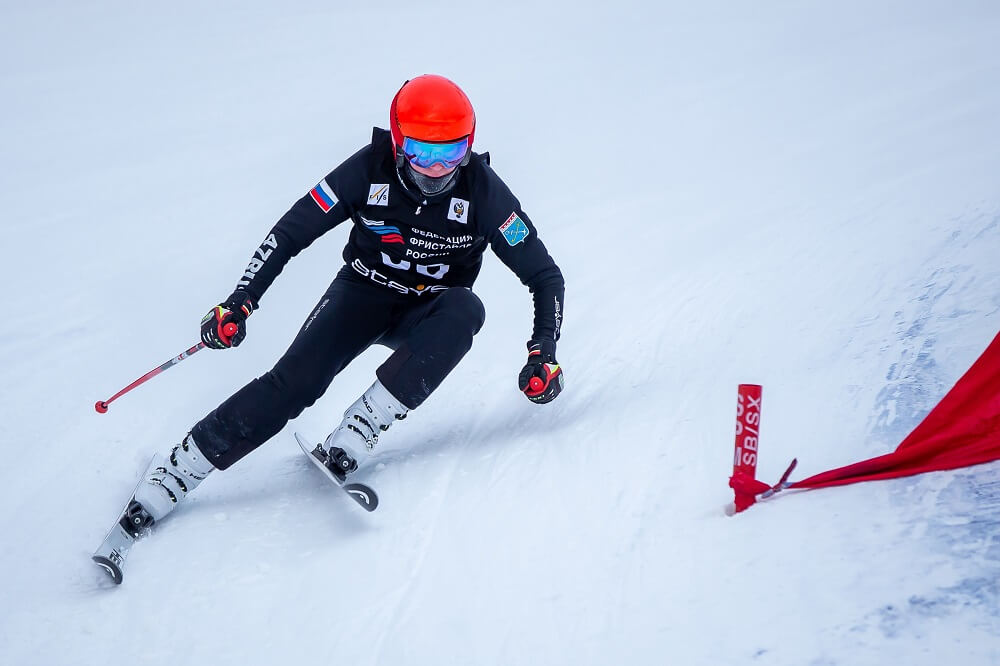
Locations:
column 424, row 153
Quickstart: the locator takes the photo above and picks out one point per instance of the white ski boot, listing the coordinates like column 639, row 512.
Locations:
column 166, row 486
column 370, row 415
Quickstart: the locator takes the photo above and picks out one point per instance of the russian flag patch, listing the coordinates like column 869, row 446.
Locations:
column 323, row 195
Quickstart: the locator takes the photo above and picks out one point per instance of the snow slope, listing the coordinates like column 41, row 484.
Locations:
column 800, row 194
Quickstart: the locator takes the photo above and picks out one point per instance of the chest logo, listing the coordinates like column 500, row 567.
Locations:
column 378, row 194
column 387, row 232
column 458, row 210
column 514, row 230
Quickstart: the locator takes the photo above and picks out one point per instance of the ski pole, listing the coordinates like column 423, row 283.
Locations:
column 102, row 405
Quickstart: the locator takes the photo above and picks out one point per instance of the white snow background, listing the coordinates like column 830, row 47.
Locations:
column 804, row 195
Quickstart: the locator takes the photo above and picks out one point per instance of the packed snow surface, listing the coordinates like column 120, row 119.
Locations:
column 798, row 194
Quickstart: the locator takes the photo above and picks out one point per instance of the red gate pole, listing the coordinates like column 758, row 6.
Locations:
column 744, row 479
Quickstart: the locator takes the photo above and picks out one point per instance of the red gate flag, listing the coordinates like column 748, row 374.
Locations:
column 963, row 430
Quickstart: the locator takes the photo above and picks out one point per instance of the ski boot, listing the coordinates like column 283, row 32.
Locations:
column 159, row 490
column 166, row 486
column 369, row 416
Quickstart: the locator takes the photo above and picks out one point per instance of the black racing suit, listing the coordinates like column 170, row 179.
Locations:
column 410, row 264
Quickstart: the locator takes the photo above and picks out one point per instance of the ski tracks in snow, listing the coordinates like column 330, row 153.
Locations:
column 953, row 515
column 436, row 494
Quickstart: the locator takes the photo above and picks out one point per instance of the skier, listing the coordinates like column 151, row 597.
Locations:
column 424, row 207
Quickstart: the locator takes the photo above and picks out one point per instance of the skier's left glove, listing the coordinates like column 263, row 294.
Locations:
column 234, row 310
column 541, row 378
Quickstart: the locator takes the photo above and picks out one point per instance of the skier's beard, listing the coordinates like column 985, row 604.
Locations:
column 428, row 185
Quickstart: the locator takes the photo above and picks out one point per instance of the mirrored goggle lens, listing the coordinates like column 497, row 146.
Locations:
column 425, row 154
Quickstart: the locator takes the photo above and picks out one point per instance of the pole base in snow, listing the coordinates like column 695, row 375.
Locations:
column 749, row 490
column 746, row 489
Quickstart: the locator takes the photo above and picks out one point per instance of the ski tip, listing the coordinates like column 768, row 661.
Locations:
column 110, row 567
column 363, row 495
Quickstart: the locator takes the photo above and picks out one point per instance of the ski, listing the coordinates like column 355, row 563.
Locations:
column 113, row 551
column 359, row 492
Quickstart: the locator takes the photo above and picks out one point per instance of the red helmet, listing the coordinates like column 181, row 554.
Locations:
column 431, row 108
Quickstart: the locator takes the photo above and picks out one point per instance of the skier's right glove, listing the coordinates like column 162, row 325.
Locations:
column 541, row 379
column 235, row 310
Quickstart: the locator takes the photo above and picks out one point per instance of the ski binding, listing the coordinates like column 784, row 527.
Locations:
column 359, row 492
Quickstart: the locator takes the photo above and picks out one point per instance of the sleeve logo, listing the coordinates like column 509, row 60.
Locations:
column 459, row 210
column 323, row 195
column 514, row 230
column 269, row 245
column 378, row 194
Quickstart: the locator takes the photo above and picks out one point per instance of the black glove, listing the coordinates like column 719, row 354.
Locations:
column 541, row 378
column 234, row 311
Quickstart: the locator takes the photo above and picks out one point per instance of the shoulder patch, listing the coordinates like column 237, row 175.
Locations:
column 324, row 196
column 514, row 230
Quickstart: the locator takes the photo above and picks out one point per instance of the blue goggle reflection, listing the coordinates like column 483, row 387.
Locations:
column 425, row 154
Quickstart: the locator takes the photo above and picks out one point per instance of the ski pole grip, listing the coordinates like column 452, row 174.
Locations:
column 229, row 330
